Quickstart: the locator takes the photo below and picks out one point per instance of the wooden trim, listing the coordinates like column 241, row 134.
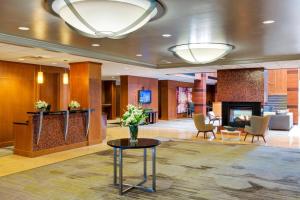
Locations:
column 292, row 89
column 292, row 71
column 199, row 104
column 7, row 144
column 33, row 154
column 199, row 90
column 292, row 106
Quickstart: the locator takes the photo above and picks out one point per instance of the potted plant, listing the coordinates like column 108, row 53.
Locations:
column 74, row 105
column 42, row 106
column 133, row 117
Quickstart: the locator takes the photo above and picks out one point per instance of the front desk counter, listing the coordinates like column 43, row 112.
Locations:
column 49, row 132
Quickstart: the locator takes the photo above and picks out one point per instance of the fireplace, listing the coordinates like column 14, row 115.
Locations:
column 238, row 114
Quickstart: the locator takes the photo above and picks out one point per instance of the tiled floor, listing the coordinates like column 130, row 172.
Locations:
column 176, row 129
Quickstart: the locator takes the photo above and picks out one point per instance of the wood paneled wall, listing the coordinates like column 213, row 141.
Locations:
column 85, row 87
column 292, row 92
column 277, row 82
column 130, row 85
column 118, row 99
column 241, row 85
column 19, row 91
column 49, row 91
column 168, row 99
column 109, row 101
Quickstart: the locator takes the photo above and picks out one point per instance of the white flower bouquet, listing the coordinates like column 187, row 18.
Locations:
column 133, row 116
column 41, row 105
column 74, row 105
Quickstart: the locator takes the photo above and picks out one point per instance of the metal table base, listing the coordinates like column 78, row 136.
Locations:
column 118, row 166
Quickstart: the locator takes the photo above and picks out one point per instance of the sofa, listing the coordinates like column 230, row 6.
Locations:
column 280, row 121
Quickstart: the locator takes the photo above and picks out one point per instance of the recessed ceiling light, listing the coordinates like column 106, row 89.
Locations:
column 23, row 28
column 95, row 45
column 268, row 22
column 118, row 73
column 54, row 63
column 167, row 35
column 21, row 59
column 139, row 55
column 166, row 61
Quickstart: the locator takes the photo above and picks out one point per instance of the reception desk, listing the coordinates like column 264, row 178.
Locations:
column 49, row 132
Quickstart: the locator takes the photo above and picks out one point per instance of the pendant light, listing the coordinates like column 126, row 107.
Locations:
column 201, row 53
column 65, row 77
column 106, row 18
column 40, row 76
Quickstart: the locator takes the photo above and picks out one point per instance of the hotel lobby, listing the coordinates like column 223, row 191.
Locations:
column 149, row 99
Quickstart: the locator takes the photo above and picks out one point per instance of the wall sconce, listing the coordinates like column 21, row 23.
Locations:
column 66, row 77
column 40, row 77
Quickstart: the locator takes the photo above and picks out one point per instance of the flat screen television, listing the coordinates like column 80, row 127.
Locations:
column 144, row 96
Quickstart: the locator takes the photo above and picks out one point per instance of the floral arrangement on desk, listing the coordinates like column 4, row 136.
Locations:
column 73, row 105
column 133, row 117
column 42, row 106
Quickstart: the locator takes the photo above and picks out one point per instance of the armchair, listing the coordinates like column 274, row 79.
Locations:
column 199, row 121
column 212, row 117
column 258, row 127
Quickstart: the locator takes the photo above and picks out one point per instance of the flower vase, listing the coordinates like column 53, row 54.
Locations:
column 134, row 130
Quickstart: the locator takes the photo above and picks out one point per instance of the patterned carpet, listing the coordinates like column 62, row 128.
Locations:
column 5, row 151
column 186, row 170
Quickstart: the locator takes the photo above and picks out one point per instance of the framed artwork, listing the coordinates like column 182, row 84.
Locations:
column 184, row 96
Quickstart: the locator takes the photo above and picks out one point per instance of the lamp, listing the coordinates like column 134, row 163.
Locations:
column 40, row 76
column 106, row 18
column 65, row 78
column 201, row 53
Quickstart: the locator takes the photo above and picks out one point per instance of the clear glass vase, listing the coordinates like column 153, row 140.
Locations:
column 134, row 130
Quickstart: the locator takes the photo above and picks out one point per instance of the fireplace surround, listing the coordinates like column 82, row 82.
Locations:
column 237, row 114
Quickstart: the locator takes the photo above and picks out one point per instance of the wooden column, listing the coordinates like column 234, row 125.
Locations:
column 199, row 93
column 292, row 92
column 85, row 87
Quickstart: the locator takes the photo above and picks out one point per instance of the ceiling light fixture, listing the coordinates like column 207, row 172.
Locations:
column 268, row 22
column 23, row 28
column 21, row 59
column 167, row 35
column 139, row 55
column 98, row 19
column 201, row 53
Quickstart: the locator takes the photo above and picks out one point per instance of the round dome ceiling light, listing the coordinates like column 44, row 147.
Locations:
column 106, row 18
column 201, row 53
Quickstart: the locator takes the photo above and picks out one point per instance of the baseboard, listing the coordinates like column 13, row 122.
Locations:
column 7, row 144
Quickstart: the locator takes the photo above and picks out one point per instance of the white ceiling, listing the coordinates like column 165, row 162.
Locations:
column 112, row 70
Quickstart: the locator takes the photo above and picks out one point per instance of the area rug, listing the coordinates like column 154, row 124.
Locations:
column 185, row 170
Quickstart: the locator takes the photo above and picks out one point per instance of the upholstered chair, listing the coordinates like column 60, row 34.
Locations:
column 199, row 121
column 258, row 127
column 212, row 117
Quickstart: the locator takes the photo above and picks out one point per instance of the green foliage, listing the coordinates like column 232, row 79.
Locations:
column 133, row 116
